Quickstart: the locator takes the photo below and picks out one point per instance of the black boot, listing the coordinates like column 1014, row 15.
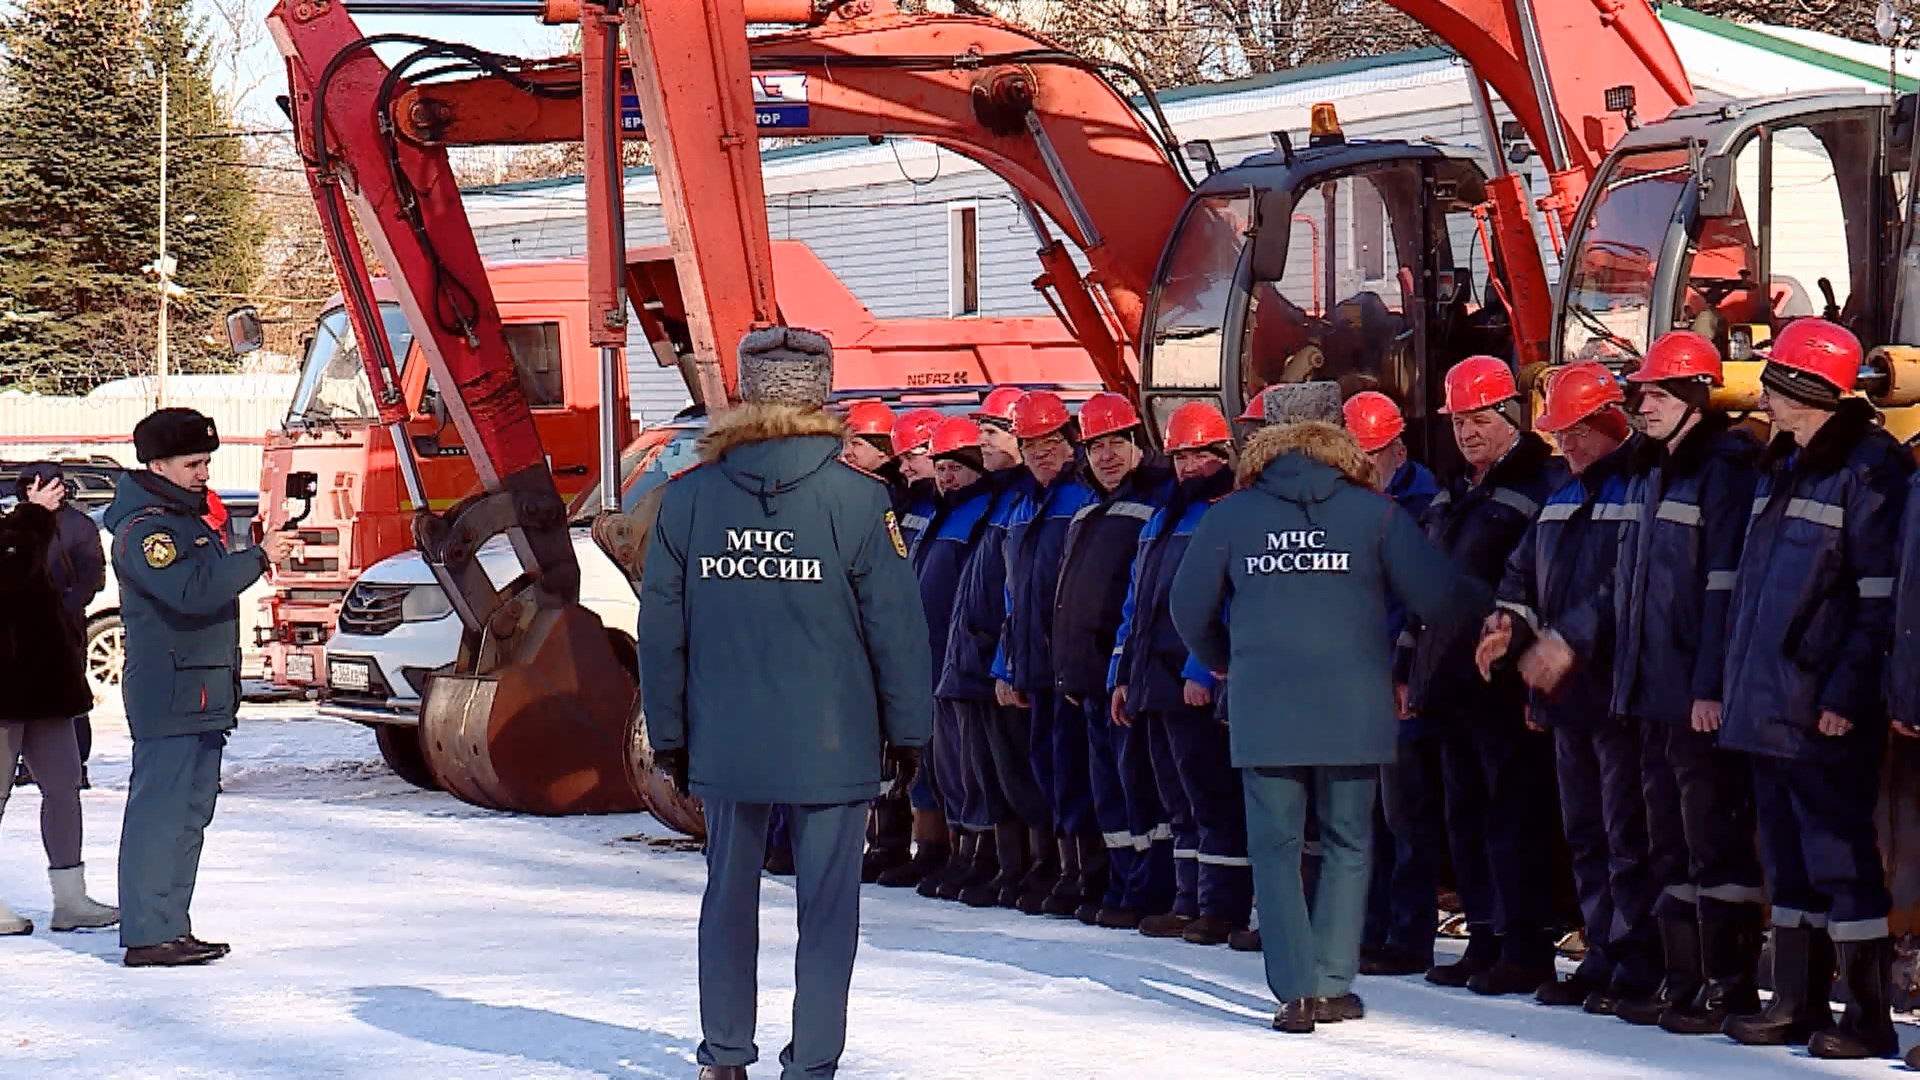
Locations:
column 1575, row 989
column 1039, row 901
column 1244, row 940
column 1865, row 1030
column 985, row 866
column 1802, row 986
column 1729, row 952
column 928, row 859
column 958, row 864
column 1209, row 930
column 1010, row 847
column 1483, row 951
column 1043, row 873
column 1680, row 943
column 878, row 861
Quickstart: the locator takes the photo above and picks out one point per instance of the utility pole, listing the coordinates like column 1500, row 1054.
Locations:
column 160, row 384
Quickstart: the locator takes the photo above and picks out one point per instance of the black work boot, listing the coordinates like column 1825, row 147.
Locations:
column 1729, row 952
column 928, row 859
column 1010, row 847
column 1073, row 895
column 1244, row 940
column 1483, row 951
column 1680, row 942
column 878, row 861
column 986, row 867
column 180, row 952
column 1167, row 924
column 1037, row 901
column 1209, row 930
column 1575, row 989
column 1802, row 986
column 1865, row 1029
column 1043, row 872
column 958, row 865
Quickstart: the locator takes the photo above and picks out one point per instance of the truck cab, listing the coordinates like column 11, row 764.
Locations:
column 1355, row 262
column 362, row 512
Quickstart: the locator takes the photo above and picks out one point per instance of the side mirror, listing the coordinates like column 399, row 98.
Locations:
column 243, row 330
column 1717, row 190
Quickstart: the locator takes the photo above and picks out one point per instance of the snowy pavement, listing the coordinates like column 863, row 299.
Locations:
column 381, row 931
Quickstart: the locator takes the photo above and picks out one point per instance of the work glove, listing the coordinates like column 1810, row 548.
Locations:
column 898, row 766
column 673, row 764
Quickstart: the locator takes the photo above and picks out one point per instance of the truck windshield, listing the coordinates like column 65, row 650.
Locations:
column 1613, row 270
column 333, row 382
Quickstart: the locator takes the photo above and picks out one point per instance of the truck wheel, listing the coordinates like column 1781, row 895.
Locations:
column 401, row 748
column 106, row 655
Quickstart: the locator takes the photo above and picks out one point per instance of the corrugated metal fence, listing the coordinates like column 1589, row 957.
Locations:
column 34, row 427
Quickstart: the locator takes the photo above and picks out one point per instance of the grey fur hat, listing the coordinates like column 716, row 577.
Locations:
column 1289, row 403
column 785, row 365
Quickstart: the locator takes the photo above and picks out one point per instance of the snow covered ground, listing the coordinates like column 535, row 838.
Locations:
column 381, row 931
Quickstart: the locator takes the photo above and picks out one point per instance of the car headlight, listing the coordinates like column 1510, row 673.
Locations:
column 425, row 603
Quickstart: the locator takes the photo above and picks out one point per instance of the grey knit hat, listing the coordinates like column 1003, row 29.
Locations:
column 785, row 365
column 1289, row 403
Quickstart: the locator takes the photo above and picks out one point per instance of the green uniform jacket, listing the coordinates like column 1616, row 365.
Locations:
column 1307, row 557
column 782, row 641
column 179, row 600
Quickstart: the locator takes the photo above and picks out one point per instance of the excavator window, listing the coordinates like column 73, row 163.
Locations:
column 1611, row 275
column 333, row 383
column 1196, row 292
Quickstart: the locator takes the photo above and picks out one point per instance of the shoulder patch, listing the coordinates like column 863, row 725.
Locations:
column 893, row 533
column 159, row 550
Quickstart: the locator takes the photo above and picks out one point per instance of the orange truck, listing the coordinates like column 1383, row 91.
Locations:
column 361, row 511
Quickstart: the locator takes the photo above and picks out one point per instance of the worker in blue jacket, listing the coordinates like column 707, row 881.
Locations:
column 1039, row 765
column 1409, row 835
column 1690, row 489
column 939, row 553
column 1167, row 696
column 783, row 662
column 1498, row 773
column 1130, row 484
column 1311, row 698
column 1811, row 624
column 1556, row 624
column 967, row 681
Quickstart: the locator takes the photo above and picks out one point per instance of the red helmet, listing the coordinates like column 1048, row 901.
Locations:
column 1256, row 410
column 871, row 418
column 1374, row 419
column 1680, row 354
column 1828, row 352
column 1105, row 414
column 999, row 404
column 1195, row 426
column 1479, row 382
column 955, row 433
column 1577, row 392
column 914, row 429
column 1038, row 413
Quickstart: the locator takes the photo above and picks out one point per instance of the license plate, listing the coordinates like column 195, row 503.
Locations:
column 346, row 676
column 300, row 667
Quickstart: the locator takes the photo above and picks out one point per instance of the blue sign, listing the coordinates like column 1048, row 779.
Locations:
column 779, row 102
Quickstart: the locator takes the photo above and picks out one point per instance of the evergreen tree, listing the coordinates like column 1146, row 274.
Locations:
column 80, row 187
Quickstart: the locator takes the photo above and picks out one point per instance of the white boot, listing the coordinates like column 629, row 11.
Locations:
column 73, row 909
column 11, row 921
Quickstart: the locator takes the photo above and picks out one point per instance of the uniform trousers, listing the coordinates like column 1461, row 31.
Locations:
column 826, row 853
column 1818, row 845
column 1059, row 743
column 170, row 799
column 1499, row 792
column 1200, row 788
column 1410, row 839
column 1127, row 805
column 955, row 779
column 1700, row 825
column 1000, row 746
column 1604, row 812
column 1317, row 954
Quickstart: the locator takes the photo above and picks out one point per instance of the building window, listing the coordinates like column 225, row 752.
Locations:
column 963, row 259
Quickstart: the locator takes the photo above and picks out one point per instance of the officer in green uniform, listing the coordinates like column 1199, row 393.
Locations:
column 783, row 662
column 179, row 600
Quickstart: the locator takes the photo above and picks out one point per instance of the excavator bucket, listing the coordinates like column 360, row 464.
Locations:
column 541, row 726
column 682, row 813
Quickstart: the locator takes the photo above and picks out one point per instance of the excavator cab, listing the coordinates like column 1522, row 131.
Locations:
column 1733, row 219
column 1358, row 262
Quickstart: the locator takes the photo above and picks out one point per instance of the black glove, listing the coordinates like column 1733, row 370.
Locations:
column 898, row 766
column 673, row 763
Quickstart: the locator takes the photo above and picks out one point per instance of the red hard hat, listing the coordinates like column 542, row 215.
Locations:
column 1820, row 349
column 1256, row 410
column 1680, row 354
column 1479, row 382
column 999, row 404
column 870, row 418
column 1374, row 419
column 1577, row 392
column 914, row 429
column 1106, row 413
column 1195, row 426
column 955, row 433
column 1038, row 413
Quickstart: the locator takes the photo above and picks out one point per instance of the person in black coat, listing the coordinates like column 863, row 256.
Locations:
column 44, row 672
column 77, row 564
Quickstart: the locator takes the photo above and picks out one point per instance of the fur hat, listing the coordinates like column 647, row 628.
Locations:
column 1291, row 403
column 784, row 365
column 169, row 433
